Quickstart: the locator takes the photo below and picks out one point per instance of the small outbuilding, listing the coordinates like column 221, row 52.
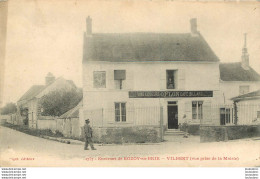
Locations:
column 247, row 108
column 68, row 123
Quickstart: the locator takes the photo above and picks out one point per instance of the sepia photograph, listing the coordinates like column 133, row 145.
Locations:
column 96, row 83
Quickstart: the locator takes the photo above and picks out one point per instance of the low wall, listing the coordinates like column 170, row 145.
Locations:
column 69, row 127
column 193, row 129
column 4, row 118
column 2, row 121
column 223, row 133
column 47, row 124
column 12, row 119
column 137, row 134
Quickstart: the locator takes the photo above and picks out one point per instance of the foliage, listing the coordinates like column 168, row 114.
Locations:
column 9, row 108
column 58, row 102
column 34, row 132
column 222, row 133
column 23, row 111
column 193, row 129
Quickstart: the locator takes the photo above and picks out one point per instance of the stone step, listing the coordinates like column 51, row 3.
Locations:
column 174, row 132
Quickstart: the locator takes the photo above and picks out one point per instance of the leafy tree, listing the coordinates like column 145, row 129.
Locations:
column 9, row 108
column 58, row 102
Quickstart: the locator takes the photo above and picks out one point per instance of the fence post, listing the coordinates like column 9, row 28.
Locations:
column 235, row 111
column 161, row 123
column 102, row 117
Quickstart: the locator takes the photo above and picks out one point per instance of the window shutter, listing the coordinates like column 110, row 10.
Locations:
column 206, row 109
column 188, row 110
column 129, row 81
column 163, row 80
column 181, row 79
column 119, row 74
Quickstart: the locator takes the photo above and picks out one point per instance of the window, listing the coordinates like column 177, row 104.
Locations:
column 226, row 116
column 258, row 114
column 171, row 79
column 243, row 89
column 119, row 76
column 120, row 112
column 197, row 110
column 99, row 79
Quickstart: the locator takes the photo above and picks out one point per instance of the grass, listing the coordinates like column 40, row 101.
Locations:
column 32, row 131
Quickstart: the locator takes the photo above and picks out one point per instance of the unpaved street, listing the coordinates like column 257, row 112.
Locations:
column 19, row 149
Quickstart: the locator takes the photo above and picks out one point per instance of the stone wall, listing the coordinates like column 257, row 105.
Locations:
column 69, row 127
column 223, row 133
column 193, row 129
column 137, row 134
column 46, row 124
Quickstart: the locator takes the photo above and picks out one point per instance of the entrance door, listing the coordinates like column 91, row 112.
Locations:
column 173, row 117
column 222, row 116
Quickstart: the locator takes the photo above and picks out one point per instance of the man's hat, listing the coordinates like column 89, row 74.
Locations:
column 87, row 121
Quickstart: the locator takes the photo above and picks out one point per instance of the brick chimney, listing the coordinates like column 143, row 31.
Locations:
column 193, row 26
column 89, row 25
column 49, row 79
column 245, row 56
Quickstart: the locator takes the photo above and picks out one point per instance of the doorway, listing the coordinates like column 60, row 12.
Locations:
column 173, row 117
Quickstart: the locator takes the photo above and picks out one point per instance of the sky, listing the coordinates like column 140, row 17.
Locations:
column 47, row 36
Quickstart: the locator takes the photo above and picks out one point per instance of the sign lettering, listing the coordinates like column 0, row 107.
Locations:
column 169, row 94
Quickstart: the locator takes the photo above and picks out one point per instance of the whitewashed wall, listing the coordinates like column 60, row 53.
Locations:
column 230, row 89
column 247, row 112
column 147, row 76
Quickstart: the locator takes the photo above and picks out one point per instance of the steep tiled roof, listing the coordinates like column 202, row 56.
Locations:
column 32, row 92
column 72, row 113
column 36, row 89
column 235, row 72
column 72, row 83
column 147, row 47
column 251, row 95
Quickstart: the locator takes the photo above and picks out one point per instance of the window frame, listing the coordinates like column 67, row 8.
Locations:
column 199, row 110
column 258, row 114
column 120, row 112
column 243, row 86
column 120, row 84
column 174, row 78
column 227, row 115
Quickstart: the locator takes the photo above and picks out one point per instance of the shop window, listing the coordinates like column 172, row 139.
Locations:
column 171, row 79
column 197, row 110
column 119, row 77
column 120, row 112
column 99, row 80
column 243, row 89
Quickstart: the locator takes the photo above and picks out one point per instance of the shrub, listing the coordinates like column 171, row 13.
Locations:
column 34, row 132
column 191, row 129
column 130, row 135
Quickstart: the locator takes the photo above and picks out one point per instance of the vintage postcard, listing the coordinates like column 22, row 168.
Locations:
column 96, row 83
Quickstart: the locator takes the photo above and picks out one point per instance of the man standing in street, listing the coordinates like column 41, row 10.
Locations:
column 88, row 135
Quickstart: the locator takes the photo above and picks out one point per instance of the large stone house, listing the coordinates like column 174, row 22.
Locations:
column 135, row 79
column 29, row 102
